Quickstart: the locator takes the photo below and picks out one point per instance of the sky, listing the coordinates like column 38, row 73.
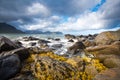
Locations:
column 67, row 16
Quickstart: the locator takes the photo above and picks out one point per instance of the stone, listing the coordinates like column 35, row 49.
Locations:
column 107, row 37
column 43, row 41
column 89, row 43
column 56, row 46
column 6, row 44
column 69, row 36
column 57, row 39
column 76, row 48
column 18, row 43
column 21, row 52
column 32, row 43
column 30, row 38
column 9, row 66
column 112, row 62
column 70, row 40
column 108, row 74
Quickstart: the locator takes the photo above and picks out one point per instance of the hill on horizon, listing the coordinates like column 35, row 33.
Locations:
column 6, row 28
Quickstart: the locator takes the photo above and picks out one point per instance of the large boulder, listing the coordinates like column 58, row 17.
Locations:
column 107, row 54
column 107, row 37
column 109, row 74
column 9, row 66
column 47, row 66
column 6, row 44
column 21, row 52
column 76, row 48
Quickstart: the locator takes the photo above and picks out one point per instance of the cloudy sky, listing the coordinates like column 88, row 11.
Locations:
column 67, row 16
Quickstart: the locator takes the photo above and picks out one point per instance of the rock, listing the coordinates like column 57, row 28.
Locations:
column 56, row 46
column 32, row 43
column 107, row 37
column 69, row 36
column 30, row 38
column 43, row 41
column 9, row 66
column 70, row 40
column 89, row 43
column 37, row 50
column 49, row 38
column 107, row 54
column 76, row 48
column 109, row 74
column 91, row 70
column 57, row 39
column 112, row 62
column 18, row 43
column 113, row 49
column 6, row 44
column 50, row 67
column 21, row 52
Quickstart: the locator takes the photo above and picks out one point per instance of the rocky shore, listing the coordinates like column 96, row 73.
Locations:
column 83, row 57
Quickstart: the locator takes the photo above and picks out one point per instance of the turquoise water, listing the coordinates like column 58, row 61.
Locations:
column 42, row 36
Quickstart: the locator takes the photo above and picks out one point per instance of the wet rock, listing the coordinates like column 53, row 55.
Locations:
column 71, row 40
column 57, row 39
column 30, row 38
column 21, row 52
column 32, row 43
column 107, row 37
column 9, row 66
column 76, row 48
column 56, row 46
column 18, row 43
column 109, row 74
column 43, row 41
column 69, row 36
column 6, row 44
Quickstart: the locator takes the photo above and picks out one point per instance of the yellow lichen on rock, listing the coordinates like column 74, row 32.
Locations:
column 99, row 66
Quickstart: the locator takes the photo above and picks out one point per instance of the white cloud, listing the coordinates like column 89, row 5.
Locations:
column 37, row 8
column 89, row 20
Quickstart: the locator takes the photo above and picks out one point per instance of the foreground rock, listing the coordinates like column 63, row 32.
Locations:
column 21, row 52
column 6, row 44
column 49, row 66
column 109, row 55
column 107, row 37
column 9, row 66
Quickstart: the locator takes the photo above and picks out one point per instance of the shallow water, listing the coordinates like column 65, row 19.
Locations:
column 42, row 36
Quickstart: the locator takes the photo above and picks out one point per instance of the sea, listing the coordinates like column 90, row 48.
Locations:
column 41, row 36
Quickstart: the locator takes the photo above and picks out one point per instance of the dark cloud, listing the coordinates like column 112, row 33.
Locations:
column 111, row 12
column 52, row 14
column 69, row 7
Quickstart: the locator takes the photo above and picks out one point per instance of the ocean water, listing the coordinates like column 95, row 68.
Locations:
column 42, row 36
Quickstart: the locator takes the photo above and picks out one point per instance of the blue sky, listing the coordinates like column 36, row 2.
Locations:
column 67, row 16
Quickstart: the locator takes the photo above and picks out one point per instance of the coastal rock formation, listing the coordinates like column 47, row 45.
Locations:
column 6, row 44
column 107, row 37
column 78, row 47
column 9, row 66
